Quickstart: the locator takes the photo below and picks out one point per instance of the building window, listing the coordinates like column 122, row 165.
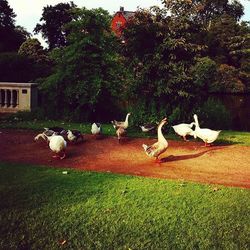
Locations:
column 118, row 25
column 24, row 91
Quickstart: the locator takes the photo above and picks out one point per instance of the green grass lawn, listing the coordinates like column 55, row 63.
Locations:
column 41, row 207
column 225, row 137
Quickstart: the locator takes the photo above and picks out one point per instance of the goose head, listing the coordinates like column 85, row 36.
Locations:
column 163, row 121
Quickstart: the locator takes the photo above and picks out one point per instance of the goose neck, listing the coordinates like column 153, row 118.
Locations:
column 197, row 126
column 159, row 133
column 126, row 120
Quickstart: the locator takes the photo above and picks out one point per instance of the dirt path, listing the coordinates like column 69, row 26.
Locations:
column 226, row 165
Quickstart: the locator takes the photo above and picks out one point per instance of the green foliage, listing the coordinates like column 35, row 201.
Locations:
column 106, row 211
column 149, row 112
column 33, row 49
column 228, row 80
column 16, row 68
column 7, row 15
column 87, row 76
column 204, row 11
column 11, row 36
column 204, row 73
column 54, row 18
column 162, row 67
column 226, row 40
column 26, row 116
column 214, row 115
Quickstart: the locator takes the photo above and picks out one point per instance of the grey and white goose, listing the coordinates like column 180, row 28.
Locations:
column 158, row 148
column 124, row 124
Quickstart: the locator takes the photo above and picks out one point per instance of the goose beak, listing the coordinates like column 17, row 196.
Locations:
column 165, row 119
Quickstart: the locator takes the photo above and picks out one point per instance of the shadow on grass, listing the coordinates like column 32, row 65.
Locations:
column 225, row 142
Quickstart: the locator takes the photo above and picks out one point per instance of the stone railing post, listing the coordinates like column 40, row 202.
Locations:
column 4, row 98
column 11, row 98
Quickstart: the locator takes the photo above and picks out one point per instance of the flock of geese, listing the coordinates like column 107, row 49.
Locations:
column 57, row 137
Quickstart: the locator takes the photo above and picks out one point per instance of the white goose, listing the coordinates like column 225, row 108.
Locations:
column 206, row 134
column 184, row 129
column 96, row 128
column 124, row 124
column 57, row 145
column 160, row 146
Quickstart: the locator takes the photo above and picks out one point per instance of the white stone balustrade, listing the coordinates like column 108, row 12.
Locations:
column 17, row 96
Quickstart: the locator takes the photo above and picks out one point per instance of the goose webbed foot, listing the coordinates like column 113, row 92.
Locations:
column 206, row 145
column 158, row 161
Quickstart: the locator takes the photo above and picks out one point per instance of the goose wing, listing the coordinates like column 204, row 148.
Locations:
column 152, row 150
column 182, row 129
column 208, row 135
column 57, row 143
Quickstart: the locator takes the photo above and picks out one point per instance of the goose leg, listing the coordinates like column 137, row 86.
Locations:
column 157, row 160
column 206, row 144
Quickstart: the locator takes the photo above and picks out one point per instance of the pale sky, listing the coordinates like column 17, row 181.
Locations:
column 29, row 12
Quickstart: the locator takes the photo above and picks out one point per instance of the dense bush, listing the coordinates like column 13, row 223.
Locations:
column 228, row 80
column 214, row 115
column 35, row 114
column 146, row 112
column 204, row 74
column 15, row 68
column 19, row 68
column 88, row 77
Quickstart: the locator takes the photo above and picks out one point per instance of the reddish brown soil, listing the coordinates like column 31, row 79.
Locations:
column 227, row 165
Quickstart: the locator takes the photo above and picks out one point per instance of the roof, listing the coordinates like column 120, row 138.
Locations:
column 128, row 14
column 125, row 13
column 17, row 84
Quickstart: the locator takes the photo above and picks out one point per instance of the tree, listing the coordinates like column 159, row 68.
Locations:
column 228, row 80
column 16, row 68
column 204, row 11
column 87, row 73
column 54, row 18
column 33, row 49
column 163, row 50
column 228, row 43
column 204, row 74
column 220, row 38
column 7, row 15
column 239, row 47
column 11, row 36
